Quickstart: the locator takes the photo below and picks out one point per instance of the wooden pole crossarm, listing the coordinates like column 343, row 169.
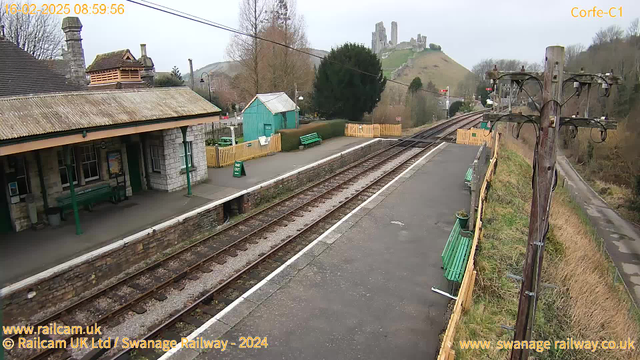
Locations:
column 580, row 122
column 513, row 76
column 585, row 78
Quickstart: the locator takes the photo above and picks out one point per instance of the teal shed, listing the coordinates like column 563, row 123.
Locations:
column 266, row 114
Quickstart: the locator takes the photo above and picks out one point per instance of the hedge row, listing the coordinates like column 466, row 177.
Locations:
column 326, row 130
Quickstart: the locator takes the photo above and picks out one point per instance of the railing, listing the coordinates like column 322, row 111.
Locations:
column 463, row 302
column 223, row 156
column 372, row 130
column 473, row 136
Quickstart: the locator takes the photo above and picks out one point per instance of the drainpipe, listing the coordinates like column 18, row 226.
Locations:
column 186, row 158
column 67, row 160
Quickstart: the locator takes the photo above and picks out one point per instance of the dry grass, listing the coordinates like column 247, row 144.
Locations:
column 588, row 304
column 437, row 67
column 617, row 197
column 412, row 130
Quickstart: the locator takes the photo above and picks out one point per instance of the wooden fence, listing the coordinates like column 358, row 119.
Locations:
column 375, row 130
column 473, row 136
column 463, row 302
column 223, row 156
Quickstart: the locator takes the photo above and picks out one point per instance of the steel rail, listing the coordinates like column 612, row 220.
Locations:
column 158, row 330
column 176, row 277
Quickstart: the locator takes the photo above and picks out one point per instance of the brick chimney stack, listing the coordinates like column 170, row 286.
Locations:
column 149, row 71
column 74, row 54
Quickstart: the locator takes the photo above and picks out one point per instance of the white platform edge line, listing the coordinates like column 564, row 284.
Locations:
column 131, row 238
column 257, row 286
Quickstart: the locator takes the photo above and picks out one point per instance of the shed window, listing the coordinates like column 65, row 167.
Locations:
column 64, row 176
column 189, row 155
column 156, row 157
column 89, row 162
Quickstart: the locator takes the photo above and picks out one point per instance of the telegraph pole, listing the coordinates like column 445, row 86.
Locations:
column 543, row 182
column 547, row 124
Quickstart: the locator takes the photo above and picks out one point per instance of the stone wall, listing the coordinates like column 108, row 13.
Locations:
column 76, row 282
column 264, row 195
column 174, row 164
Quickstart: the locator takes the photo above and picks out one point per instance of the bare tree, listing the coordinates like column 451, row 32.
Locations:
column 535, row 67
column 481, row 68
column 571, row 54
column 634, row 28
column 610, row 34
column 38, row 34
column 284, row 67
column 247, row 51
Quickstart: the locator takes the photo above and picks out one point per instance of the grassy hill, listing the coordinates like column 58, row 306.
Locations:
column 231, row 68
column 431, row 65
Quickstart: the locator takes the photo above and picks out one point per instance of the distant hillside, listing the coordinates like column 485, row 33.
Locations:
column 429, row 65
column 231, row 68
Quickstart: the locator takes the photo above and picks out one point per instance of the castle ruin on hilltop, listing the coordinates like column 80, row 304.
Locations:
column 380, row 43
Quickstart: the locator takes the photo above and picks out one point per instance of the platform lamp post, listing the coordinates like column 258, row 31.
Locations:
column 298, row 111
column 208, row 83
column 296, row 97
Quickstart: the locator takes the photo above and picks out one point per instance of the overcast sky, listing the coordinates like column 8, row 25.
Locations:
column 467, row 30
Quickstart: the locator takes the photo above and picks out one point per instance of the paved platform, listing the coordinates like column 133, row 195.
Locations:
column 621, row 237
column 363, row 289
column 29, row 252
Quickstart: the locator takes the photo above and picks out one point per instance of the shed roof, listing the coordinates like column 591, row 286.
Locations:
column 24, row 116
column 276, row 102
column 114, row 60
column 21, row 73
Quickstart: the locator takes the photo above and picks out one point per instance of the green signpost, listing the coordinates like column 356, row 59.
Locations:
column 238, row 169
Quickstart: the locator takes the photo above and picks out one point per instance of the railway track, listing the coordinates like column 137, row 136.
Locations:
column 130, row 297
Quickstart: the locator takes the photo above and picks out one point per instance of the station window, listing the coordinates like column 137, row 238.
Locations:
column 64, row 176
column 156, row 157
column 89, row 162
column 189, row 155
column 20, row 176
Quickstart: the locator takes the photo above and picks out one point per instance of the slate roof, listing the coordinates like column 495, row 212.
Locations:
column 21, row 73
column 276, row 102
column 113, row 60
column 24, row 116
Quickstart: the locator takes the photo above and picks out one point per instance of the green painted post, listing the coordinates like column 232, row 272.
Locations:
column 43, row 187
column 70, row 172
column 186, row 158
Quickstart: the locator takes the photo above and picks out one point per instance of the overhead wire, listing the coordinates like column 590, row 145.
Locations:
column 187, row 16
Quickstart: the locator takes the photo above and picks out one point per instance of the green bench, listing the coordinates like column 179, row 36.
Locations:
column 310, row 139
column 225, row 141
column 86, row 198
column 456, row 253
column 468, row 176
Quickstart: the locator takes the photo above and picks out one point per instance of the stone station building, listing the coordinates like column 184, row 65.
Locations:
column 126, row 140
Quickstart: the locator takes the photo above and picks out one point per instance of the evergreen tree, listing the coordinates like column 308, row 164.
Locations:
column 175, row 72
column 341, row 91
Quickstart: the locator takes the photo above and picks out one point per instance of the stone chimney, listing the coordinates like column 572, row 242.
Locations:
column 149, row 71
column 74, row 54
